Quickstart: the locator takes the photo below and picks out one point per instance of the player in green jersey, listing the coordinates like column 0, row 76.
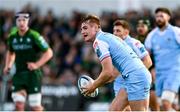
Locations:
column 24, row 48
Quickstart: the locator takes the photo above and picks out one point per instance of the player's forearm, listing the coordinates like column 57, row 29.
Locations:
column 103, row 78
column 46, row 56
column 147, row 61
column 114, row 75
column 10, row 57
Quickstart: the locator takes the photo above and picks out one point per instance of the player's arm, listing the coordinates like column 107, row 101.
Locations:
column 106, row 74
column 102, row 50
column 10, row 57
column 46, row 55
column 142, row 52
column 147, row 61
column 104, row 77
column 114, row 75
column 177, row 34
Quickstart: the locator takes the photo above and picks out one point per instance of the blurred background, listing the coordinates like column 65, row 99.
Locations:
column 58, row 22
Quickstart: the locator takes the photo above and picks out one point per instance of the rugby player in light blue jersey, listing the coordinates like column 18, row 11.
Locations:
column 164, row 43
column 114, row 54
column 121, row 30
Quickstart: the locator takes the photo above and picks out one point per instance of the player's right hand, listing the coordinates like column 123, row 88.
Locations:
column 88, row 89
column 6, row 70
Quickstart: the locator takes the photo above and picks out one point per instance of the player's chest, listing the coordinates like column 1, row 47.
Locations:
column 165, row 41
column 22, row 43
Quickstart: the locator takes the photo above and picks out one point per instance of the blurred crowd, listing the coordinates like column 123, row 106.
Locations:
column 72, row 57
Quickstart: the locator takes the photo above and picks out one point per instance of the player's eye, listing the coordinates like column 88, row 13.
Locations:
column 84, row 28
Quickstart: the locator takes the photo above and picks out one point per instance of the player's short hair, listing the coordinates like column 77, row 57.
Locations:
column 122, row 23
column 91, row 19
column 163, row 9
column 22, row 14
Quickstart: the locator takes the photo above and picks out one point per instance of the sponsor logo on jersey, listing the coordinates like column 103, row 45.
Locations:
column 138, row 44
column 35, row 89
column 28, row 40
column 140, row 47
column 168, row 39
column 14, row 41
column 97, row 49
column 43, row 42
column 21, row 39
column 98, row 52
column 21, row 47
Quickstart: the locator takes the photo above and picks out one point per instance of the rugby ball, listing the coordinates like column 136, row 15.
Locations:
column 83, row 81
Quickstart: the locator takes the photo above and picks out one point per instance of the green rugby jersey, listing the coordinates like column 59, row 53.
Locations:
column 27, row 48
column 141, row 38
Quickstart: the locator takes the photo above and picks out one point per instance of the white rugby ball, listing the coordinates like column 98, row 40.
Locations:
column 83, row 81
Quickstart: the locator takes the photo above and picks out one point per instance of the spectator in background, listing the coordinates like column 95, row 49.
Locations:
column 164, row 43
column 143, row 28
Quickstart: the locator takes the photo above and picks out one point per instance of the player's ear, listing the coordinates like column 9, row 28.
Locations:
column 126, row 32
column 168, row 17
column 99, row 26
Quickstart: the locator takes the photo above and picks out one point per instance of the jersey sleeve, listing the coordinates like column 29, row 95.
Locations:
column 140, row 50
column 10, row 48
column 148, row 41
column 40, row 42
column 177, row 34
column 101, row 48
column 10, row 38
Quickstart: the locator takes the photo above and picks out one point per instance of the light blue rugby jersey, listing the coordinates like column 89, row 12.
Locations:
column 165, row 47
column 137, row 46
column 139, row 49
column 123, row 57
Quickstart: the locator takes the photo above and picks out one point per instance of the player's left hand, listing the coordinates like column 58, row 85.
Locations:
column 32, row 66
column 88, row 89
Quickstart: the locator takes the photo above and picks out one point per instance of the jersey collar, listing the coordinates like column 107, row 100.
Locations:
column 24, row 34
column 127, row 37
column 99, row 33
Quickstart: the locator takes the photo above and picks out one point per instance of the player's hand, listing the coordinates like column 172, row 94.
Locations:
column 6, row 70
column 88, row 89
column 32, row 66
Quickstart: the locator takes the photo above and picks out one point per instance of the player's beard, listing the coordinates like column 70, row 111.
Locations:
column 160, row 24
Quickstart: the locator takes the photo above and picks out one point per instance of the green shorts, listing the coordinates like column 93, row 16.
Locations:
column 27, row 80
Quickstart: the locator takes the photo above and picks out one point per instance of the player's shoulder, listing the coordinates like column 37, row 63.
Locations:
column 34, row 33
column 134, row 40
column 153, row 32
column 175, row 29
column 100, row 43
column 103, row 37
column 13, row 32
